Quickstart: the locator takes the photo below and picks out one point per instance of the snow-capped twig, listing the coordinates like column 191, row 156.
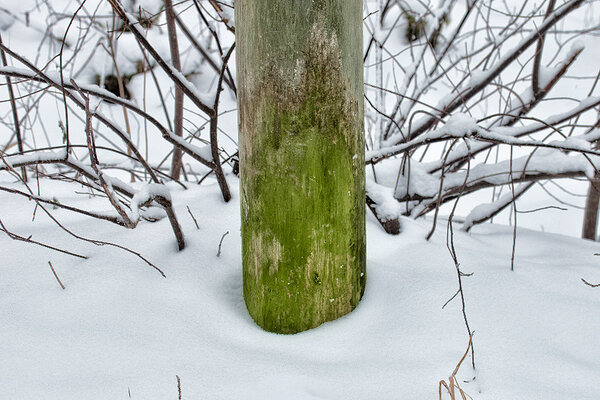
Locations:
column 380, row 200
column 186, row 86
column 460, row 126
column 535, row 74
column 485, row 212
column 547, row 84
column 482, row 80
column 89, row 133
column 200, row 154
column 229, row 81
column 202, row 102
column 40, row 205
column 55, row 82
column 161, row 195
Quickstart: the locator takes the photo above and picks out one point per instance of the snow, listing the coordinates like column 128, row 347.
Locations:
column 416, row 181
column 205, row 151
column 207, row 99
column 120, row 328
column 38, row 156
column 145, row 195
column 459, row 125
column 485, row 210
column 386, row 205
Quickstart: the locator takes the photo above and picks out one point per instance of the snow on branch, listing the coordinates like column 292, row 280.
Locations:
column 481, row 79
column 200, row 100
column 461, row 125
column 486, row 211
column 202, row 154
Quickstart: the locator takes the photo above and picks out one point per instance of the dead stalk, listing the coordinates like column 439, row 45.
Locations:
column 193, row 218
column 177, row 160
column 178, row 387
column 56, row 276
column 452, row 385
column 221, row 242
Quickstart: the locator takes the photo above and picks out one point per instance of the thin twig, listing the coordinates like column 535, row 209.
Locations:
column 176, row 161
column 64, row 228
column 89, row 132
column 221, row 242
column 193, row 218
column 15, row 112
column 591, row 284
column 214, row 145
column 20, row 238
column 459, row 273
column 120, row 83
column 514, row 207
column 56, row 276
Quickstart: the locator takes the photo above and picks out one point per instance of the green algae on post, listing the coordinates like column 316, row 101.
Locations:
column 300, row 76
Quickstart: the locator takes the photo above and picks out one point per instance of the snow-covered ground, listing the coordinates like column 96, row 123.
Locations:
column 120, row 330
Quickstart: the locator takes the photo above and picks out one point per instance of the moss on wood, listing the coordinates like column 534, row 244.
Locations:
column 302, row 167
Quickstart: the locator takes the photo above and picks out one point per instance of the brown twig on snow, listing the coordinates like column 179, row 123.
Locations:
column 221, row 242
column 65, row 229
column 181, row 82
column 193, row 218
column 590, row 284
column 89, row 133
column 178, row 387
column 168, row 207
column 56, row 276
column 55, row 203
column 20, row 238
column 163, row 201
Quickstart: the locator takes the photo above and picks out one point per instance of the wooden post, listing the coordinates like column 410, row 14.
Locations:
column 300, row 77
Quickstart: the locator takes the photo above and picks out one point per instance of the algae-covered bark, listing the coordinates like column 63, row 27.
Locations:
column 299, row 66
